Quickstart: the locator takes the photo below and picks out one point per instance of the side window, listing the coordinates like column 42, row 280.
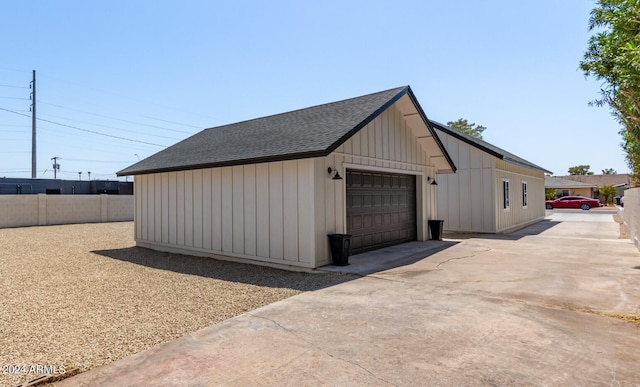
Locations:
column 525, row 198
column 505, row 194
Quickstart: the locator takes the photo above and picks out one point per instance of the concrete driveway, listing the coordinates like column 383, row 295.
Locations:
column 542, row 306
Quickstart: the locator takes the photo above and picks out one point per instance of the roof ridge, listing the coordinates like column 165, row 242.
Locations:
column 399, row 89
column 313, row 131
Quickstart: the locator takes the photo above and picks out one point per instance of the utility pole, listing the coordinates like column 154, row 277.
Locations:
column 56, row 166
column 33, row 126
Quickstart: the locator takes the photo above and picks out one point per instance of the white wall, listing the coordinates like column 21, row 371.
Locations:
column 262, row 212
column 518, row 215
column 466, row 197
column 471, row 199
column 34, row 210
column 631, row 213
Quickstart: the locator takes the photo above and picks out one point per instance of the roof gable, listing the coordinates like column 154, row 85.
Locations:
column 488, row 148
column 312, row 132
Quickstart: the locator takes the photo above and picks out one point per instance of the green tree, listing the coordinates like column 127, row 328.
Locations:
column 613, row 56
column 462, row 125
column 549, row 193
column 580, row 170
column 609, row 171
column 607, row 191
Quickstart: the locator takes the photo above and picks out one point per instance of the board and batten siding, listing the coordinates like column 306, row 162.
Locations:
column 518, row 215
column 472, row 198
column 277, row 212
column 467, row 197
column 386, row 144
column 261, row 212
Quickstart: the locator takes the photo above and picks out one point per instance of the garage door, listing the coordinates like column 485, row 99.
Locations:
column 381, row 209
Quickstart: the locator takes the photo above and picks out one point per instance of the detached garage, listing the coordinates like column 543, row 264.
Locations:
column 271, row 189
column 493, row 191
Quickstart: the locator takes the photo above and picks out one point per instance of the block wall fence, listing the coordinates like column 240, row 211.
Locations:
column 631, row 213
column 42, row 210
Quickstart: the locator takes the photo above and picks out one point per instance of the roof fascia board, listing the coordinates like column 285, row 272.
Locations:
column 427, row 122
column 259, row 160
column 515, row 162
column 457, row 135
column 366, row 121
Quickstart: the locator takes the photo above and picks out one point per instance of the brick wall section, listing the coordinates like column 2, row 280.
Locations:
column 631, row 213
column 41, row 210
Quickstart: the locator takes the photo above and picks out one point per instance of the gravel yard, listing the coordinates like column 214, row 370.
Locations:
column 84, row 296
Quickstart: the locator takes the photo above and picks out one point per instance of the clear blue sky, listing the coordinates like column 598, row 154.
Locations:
column 158, row 71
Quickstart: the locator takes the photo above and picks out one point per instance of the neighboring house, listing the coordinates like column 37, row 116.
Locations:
column 568, row 187
column 621, row 181
column 493, row 191
column 271, row 189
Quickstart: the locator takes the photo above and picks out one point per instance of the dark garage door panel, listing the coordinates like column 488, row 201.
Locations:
column 381, row 209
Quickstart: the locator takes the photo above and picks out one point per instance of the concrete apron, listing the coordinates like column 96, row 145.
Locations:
column 525, row 308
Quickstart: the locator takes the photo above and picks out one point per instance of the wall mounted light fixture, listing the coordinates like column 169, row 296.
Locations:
column 432, row 182
column 336, row 176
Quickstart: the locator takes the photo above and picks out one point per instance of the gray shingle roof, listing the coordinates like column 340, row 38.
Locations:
column 559, row 182
column 616, row 180
column 304, row 133
column 487, row 147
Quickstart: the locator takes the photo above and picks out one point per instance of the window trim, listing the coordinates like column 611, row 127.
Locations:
column 506, row 194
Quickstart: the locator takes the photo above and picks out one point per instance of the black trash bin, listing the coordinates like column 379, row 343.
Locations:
column 435, row 227
column 340, row 247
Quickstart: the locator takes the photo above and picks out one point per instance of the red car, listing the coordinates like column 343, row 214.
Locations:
column 572, row 202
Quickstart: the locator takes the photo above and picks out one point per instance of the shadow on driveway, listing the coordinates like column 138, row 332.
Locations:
column 225, row 270
column 390, row 257
column 533, row 229
column 360, row 265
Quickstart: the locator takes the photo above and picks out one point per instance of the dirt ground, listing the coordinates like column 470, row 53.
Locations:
column 81, row 296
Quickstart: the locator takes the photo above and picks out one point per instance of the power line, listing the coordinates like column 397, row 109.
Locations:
column 172, row 122
column 100, row 161
column 14, row 87
column 111, row 127
column 84, row 86
column 98, row 145
column 14, row 70
column 100, row 134
column 85, row 130
column 123, row 120
column 111, row 93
